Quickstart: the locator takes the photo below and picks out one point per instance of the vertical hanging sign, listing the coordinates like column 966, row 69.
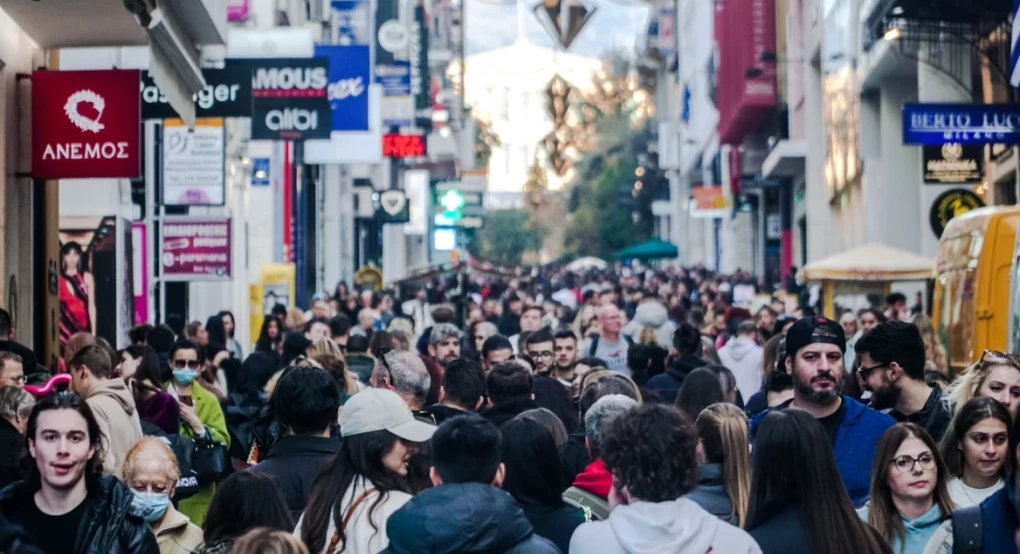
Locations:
column 421, row 83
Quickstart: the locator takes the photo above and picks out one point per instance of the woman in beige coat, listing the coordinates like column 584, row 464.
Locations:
column 151, row 472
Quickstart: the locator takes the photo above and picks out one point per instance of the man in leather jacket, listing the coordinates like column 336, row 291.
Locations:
column 67, row 506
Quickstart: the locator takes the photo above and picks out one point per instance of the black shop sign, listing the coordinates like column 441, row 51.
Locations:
column 953, row 162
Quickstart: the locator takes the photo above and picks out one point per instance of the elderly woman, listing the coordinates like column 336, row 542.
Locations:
column 15, row 407
column 150, row 471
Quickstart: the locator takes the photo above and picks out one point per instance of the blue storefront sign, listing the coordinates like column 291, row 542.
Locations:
column 349, row 76
column 962, row 123
column 395, row 78
column 260, row 168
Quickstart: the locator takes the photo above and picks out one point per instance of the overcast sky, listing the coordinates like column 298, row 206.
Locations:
column 491, row 26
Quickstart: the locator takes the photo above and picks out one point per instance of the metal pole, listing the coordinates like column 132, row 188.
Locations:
column 1016, row 173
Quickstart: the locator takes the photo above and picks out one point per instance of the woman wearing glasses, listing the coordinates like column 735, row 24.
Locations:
column 976, row 451
column 201, row 415
column 909, row 492
column 996, row 375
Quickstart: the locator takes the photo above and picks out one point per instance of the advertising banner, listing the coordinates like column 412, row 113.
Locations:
column 193, row 167
column 962, row 123
column 351, row 17
column 950, row 204
column 395, row 78
column 421, row 83
column 953, row 162
column 86, row 124
column 196, row 248
column 290, row 99
column 391, row 36
column 350, row 71
column 227, row 93
column 140, row 271
column 709, row 201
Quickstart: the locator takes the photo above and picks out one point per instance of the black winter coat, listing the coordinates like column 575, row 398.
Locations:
column 668, row 384
column 780, row 530
column 574, row 455
column 295, row 461
column 503, row 413
column 12, row 448
column 463, row 518
column 106, row 527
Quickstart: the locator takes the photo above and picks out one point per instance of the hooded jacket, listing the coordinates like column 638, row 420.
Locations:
column 711, row 495
column 106, row 527
column 743, row 357
column 651, row 314
column 294, row 461
column 918, row 531
column 668, row 384
column 595, row 479
column 676, row 527
column 463, row 518
column 114, row 408
column 856, row 441
column 12, row 448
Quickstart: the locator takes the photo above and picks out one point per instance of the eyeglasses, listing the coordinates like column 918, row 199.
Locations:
column 906, row 463
column 190, row 364
column 865, row 372
column 545, row 354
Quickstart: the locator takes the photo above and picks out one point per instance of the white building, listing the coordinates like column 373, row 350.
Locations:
column 506, row 88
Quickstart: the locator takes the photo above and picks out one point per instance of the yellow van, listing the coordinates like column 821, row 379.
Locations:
column 972, row 283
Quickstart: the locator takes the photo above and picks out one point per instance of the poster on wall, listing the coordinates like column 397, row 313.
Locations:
column 196, row 249
column 95, row 284
column 193, row 166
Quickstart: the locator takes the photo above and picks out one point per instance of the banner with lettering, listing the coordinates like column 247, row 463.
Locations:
column 349, row 77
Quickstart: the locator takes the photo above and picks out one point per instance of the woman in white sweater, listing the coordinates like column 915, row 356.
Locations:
column 357, row 492
column 976, row 451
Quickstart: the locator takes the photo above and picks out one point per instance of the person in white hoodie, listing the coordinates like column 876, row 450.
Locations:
column 651, row 313
column 743, row 356
column 650, row 451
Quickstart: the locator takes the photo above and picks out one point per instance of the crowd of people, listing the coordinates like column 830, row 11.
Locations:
column 610, row 411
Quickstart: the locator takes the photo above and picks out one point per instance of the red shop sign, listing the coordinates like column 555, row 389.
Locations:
column 86, row 124
column 196, row 248
column 403, row 146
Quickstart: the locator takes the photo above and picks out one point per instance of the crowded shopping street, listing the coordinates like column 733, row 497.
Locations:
column 509, row 277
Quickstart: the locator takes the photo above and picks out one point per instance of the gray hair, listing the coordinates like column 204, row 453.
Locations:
column 15, row 403
column 406, row 373
column 442, row 331
column 486, row 328
column 601, row 412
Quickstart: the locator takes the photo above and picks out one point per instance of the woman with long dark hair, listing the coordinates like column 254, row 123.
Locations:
column 244, row 501
column 702, row 388
column 356, row 493
column 216, row 330
column 155, row 405
column 534, row 477
column 909, row 498
column 270, row 340
column 230, row 326
column 976, row 451
column 798, row 503
column 77, row 293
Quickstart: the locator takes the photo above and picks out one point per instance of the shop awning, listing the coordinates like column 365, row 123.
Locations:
column 655, row 249
column 871, row 262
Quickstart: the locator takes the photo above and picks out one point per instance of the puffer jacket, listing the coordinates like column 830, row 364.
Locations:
column 106, row 527
column 463, row 518
column 651, row 314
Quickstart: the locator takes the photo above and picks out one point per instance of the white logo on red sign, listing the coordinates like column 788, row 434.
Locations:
column 81, row 121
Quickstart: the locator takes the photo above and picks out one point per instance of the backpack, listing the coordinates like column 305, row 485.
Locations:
column 967, row 530
column 595, row 344
column 595, row 507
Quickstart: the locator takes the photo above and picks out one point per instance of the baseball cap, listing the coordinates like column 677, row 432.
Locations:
column 813, row 330
column 382, row 410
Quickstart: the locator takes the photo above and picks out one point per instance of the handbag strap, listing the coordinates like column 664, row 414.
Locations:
column 335, row 540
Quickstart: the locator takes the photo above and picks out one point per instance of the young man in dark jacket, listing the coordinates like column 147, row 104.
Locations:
column 511, row 392
column 305, row 401
column 815, row 348
column 687, row 343
column 465, row 513
column 67, row 505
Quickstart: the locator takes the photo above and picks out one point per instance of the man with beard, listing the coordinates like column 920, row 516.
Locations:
column 892, row 360
column 565, row 350
column 444, row 343
column 539, row 348
column 815, row 348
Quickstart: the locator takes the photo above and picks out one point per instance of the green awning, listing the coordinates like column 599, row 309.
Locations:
column 655, row 249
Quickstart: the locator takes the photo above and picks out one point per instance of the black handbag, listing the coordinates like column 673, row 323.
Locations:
column 187, row 483
column 209, row 460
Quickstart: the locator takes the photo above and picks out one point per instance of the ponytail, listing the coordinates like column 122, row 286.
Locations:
column 723, row 431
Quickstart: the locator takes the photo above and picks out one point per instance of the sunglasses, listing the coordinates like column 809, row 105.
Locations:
column 996, row 357
column 190, row 364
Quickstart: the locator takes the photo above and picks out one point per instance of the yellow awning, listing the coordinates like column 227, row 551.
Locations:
column 871, row 262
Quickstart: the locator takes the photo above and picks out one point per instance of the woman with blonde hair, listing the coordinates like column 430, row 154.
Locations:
column 268, row 541
column 724, row 484
column 909, row 489
column 151, row 472
column 934, row 352
column 328, row 355
column 995, row 375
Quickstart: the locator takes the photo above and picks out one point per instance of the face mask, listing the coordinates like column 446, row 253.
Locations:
column 185, row 376
column 149, row 506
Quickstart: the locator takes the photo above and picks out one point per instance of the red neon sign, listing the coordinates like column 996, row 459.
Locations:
column 403, row 146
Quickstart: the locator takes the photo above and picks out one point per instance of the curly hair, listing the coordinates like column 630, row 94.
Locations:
column 650, row 450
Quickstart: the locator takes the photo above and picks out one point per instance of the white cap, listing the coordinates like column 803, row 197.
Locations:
column 382, row 410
